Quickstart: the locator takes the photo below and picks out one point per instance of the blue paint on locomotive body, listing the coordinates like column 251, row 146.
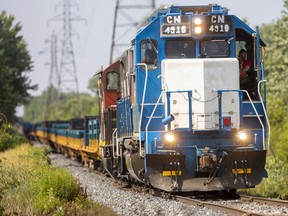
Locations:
column 191, row 142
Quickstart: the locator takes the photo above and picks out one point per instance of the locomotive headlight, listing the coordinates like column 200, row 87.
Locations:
column 198, row 30
column 242, row 136
column 169, row 137
column 197, row 21
column 197, row 25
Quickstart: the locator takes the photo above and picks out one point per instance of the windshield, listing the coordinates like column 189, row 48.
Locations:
column 180, row 49
column 214, row 48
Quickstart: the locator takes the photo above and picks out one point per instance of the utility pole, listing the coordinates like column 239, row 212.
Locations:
column 121, row 30
column 67, row 79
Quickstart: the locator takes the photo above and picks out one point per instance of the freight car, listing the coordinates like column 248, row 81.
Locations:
column 174, row 114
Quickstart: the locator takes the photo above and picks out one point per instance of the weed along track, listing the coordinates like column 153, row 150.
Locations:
column 136, row 200
column 29, row 185
column 105, row 190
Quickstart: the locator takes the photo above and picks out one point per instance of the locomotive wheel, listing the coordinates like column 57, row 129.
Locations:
column 79, row 158
column 98, row 166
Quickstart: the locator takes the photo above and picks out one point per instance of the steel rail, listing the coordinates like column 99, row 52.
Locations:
column 225, row 209
column 262, row 200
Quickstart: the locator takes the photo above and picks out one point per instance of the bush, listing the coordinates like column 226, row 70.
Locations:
column 276, row 185
column 30, row 186
column 9, row 138
column 84, row 207
column 53, row 188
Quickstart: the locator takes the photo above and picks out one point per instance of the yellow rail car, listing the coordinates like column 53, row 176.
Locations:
column 77, row 138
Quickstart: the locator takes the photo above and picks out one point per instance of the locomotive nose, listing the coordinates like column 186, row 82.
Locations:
column 170, row 172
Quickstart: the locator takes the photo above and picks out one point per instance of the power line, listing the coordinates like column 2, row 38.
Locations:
column 67, row 79
column 54, row 77
column 120, row 12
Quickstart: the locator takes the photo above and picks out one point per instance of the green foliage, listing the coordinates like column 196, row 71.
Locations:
column 70, row 102
column 32, row 186
column 9, row 138
column 29, row 185
column 277, row 110
column 276, row 60
column 53, row 187
column 84, row 207
column 276, row 185
column 93, row 85
column 40, row 109
column 279, row 139
column 15, row 61
column 276, row 67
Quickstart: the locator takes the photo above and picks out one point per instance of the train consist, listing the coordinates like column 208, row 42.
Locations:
column 174, row 114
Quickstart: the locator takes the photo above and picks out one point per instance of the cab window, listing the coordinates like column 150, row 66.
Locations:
column 99, row 84
column 149, row 52
column 214, row 48
column 112, row 81
column 175, row 49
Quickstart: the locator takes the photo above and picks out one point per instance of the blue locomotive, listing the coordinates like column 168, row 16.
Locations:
column 174, row 113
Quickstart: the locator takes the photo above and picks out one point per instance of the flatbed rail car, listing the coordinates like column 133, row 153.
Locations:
column 77, row 138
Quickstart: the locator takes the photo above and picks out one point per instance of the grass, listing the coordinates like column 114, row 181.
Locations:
column 9, row 138
column 276, row 185
column 29, row 185
column 84, row 207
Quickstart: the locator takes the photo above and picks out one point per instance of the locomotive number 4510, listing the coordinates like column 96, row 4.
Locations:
column 219, row 28
column 218, row 24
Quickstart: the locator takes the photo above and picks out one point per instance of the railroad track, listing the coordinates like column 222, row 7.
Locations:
column 230, row 209
column 273, row 202
column 226, row 209
column 233, row 204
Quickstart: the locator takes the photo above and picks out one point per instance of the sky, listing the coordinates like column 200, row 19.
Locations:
column 93, row 36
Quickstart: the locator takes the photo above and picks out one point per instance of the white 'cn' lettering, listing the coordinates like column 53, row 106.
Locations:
column 173, row 19
column 218, row 19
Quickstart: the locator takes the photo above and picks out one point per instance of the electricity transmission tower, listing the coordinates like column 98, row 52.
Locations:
column 53, row 81
column 67, row 76
column 120, row 37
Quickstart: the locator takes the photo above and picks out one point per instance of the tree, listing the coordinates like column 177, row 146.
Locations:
column 34, row 111
column 93, row 85
column 277, row 56
column 276, row 65
column 15, row 62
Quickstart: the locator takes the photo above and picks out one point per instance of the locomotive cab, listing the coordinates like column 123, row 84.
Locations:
column 108, row 89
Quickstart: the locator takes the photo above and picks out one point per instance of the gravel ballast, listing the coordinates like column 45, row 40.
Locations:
column 103, row 190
